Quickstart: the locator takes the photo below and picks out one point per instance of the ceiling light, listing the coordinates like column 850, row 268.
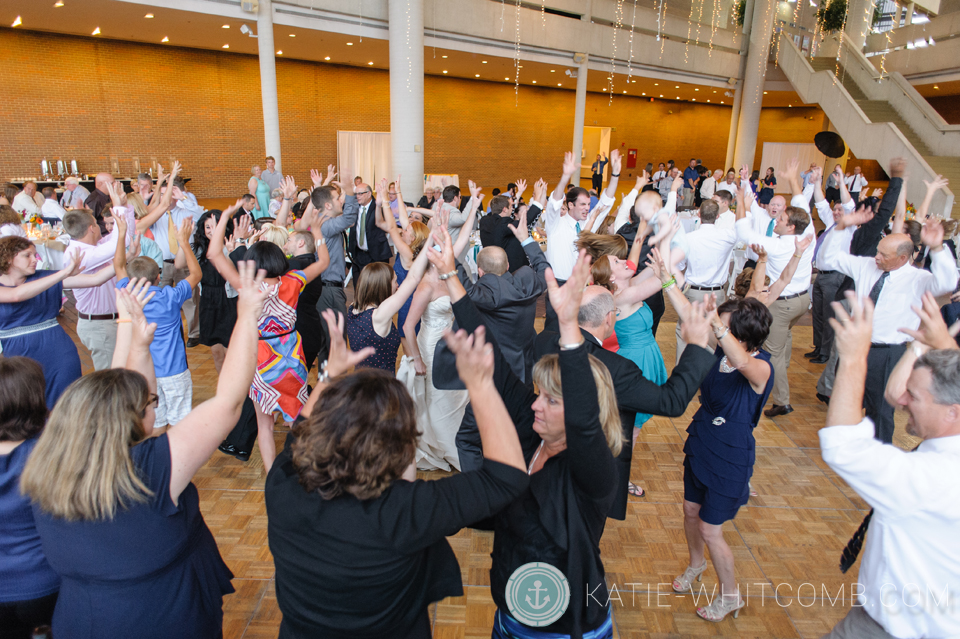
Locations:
column 721, row 101
column 149, row 15
column 349, row 44
column 477, row 75
column 443, row 56
column 661, row 95
column 226, row 46
column 789, row 105
column 226, row 26
column 59, row 3
column 327, row 58
column 643, row 94
column 604, row 89
column 633, row 81
column 708, row 100
column 936, row 86
column 279, row 52
column 370, row 63
column 293, row 35
column 165, row 39
column 559, row 84
column 677, row 87
column 656, row 84
column 95, row 31
column 534, row 81
column 17, row 22
column 553, row 70
column 444, row 70
column 696, row 89
column 483, row 62
column 624, row 91
column 506, row 78
column 764, row 92
column 714, row 91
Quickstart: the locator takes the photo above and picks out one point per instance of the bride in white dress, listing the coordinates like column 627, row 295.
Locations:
column 439, row 412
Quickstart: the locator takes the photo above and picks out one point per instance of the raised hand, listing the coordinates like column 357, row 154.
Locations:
column 642, row 180
column 931, row 234
column 802, row 243
column 853, row 331
column 566, row 299
column 316, row 177
column 71, row 265
column 615, row 161
column 331, row 173
column 933, row 331
column 130, row 303
column 816, row 174
column 521, row 187
column 760, row 251
column 744, row 172
column 520, row 230
column 175, row 170
column 539, row 189
column 184, row 233
column 676, row 184
column 115, row 190
column 570, row 164
column 793, row 166
column 936, row 184
column 289, row 187
column 861, row 216
column 396, row 185
column 474, row 356
column 178, row 194
column 443, row 260
column 474, row 189
column 340, row 358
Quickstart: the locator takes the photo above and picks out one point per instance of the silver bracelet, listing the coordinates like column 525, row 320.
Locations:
column 322, row 375
column 572, row 347
column 725, row 332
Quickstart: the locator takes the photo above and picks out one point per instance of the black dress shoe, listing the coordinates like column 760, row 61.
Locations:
column 812, row 354
column 777, row 410
column 193, row 341
column 824, row 398
column 820, row 359
column 230, row 449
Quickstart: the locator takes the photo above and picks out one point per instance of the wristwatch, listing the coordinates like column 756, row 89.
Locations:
column 572, row 347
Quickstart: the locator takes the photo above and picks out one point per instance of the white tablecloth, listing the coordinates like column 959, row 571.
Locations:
column 50, row 253
column 690, row 223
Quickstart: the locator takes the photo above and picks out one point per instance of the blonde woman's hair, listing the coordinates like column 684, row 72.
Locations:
column 546, row 375
column 81, row 468
column 139, row 207
column 274, row 234
column 420, row 234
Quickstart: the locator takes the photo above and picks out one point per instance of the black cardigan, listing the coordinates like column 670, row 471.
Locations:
column 559, row 519
column 348, row 568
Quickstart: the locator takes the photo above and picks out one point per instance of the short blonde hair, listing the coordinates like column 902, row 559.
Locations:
column 546, row 375
column 274, row 234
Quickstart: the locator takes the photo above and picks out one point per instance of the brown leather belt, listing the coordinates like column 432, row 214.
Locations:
column 108, row 316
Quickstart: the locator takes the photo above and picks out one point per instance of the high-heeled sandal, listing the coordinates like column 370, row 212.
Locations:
column 721, row 607
column 684, row 582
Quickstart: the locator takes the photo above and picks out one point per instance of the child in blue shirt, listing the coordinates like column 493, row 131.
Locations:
column 174, row 384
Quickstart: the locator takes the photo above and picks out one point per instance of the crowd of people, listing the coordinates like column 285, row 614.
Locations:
column 540, row 426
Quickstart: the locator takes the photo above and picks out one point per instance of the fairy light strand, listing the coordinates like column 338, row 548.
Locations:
column 700, row 20
column 613, row 60
column 686, row 45
column 633, row 28
column 503, row 9
column 663, row 24
column 713, row 26
column 516, row 61
column 543, row 14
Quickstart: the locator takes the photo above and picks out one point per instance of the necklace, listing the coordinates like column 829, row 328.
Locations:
column 725, row 366
column 533, row 460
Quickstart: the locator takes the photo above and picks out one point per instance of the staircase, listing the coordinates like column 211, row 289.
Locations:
column 874, row 128
column 882, row 111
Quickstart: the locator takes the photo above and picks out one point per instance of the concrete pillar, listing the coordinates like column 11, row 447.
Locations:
column 580, row 110
column 859, row 19
column 268, row 82
column 909, row 13
column 748, row 121
column 587, row 11
column 738, row 91
column 406, row 93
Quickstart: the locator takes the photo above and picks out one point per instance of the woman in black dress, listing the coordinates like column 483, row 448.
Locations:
column 218, row 301
column 571, row 434
column 359, row 545
column 769, row 181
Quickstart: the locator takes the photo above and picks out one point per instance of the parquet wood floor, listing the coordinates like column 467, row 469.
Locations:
column 786, row 541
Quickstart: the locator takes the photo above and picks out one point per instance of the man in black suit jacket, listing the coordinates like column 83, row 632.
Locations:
column 367, row 243
column 635, row 393
column 507, row 302
column 496, row 229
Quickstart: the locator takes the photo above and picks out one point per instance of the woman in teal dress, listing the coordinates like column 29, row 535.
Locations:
column 260, row 190
column 637, row 343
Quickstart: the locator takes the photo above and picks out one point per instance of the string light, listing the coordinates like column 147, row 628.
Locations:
column 503, row 9
column 661, row 23
column 361, row 20
column 713, row 26
column 843, row 28
column 543, row 14
column 516, row 61
column 686, row 45
column 883, row 56
column 633, row 28
column 699, row 19
column 613, row 60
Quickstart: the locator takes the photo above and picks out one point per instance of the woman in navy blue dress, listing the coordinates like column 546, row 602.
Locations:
column 720, row 448
column 117, row 513
column 30, row 301
column 769, row 181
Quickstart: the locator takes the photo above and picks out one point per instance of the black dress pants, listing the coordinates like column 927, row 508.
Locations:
column 880, row 363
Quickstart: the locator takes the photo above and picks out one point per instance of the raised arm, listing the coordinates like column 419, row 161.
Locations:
column 933, row 333
column 221, row 262
column 793, row 176
column 463, row 238
column 570, row 168
column 900, row 213
column 401, row 206
column 776, row 288
column 421, row 298
column 159, row 205
column 193, row 266
column 134, row 332
column 194, row 438
column 615, row 164
column 384, row 313
column 289, row 188
column 28, row 290
column 923, row 212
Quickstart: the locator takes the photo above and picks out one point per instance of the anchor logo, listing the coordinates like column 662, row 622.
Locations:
column 537, row 590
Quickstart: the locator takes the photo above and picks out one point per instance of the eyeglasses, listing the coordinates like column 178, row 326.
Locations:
column 361, row 192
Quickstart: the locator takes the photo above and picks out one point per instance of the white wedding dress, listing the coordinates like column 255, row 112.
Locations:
column 439, row 412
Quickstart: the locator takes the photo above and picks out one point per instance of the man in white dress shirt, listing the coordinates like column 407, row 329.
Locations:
column 780, row 243
column 709, row 186
column 725, row 219
column 908, row 575
column 856, row 183
column 729, row 184
column 51, row 209
column 563, row 219
column 894, row 285
column 24, row 203
column 708, row 263
column 74, row 194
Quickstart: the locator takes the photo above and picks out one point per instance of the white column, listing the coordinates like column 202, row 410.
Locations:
column 748, row 122
column 579, row 111
column 738, row 91
column 268, row 81
column 859, row 19
column 909, row 11
column 406, row 93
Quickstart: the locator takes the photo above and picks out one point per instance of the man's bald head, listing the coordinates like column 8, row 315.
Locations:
column 492, row 259
column 102, row 180
column 595, row 305
column 894, row 251
column 777, row 205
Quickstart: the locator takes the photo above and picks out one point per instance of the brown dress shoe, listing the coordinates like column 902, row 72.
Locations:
column 777, row 410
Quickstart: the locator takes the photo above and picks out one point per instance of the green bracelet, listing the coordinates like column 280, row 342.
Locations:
column 671, row 282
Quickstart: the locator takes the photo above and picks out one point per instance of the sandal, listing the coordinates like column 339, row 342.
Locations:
column 721, row 607
column 684, row 583
column 753, row 492
column 635, row 490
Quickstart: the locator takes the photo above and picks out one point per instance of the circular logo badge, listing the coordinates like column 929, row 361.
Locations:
column 537, row 594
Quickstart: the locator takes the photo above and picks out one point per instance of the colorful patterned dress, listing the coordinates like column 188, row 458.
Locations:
column 280, row 383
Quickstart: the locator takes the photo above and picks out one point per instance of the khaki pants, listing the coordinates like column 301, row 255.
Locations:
column 695, row 295
column 779, row 343
column 100, row 338
column 171, row 276
column 857, row 625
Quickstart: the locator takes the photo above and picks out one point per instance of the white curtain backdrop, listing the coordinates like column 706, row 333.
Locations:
column 777, row 155
column 364, row 153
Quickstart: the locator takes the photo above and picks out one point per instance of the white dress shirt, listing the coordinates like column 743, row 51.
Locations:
column 709, row 258
column 50, row 208
column 185, row 208
column 626, row 207
column 726, row 220
column 908, row 581
column 562, row 235
column 708, row 188
column 728, row 186
column 780, row 250
column 25, row 205
column 75, row 198
column 656, row 177
column 855, row 183
column 904, row 288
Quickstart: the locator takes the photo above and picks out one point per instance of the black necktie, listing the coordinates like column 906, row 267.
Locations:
column 875, row 291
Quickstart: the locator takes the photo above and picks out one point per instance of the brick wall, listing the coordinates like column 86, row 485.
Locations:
column 203, row 107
